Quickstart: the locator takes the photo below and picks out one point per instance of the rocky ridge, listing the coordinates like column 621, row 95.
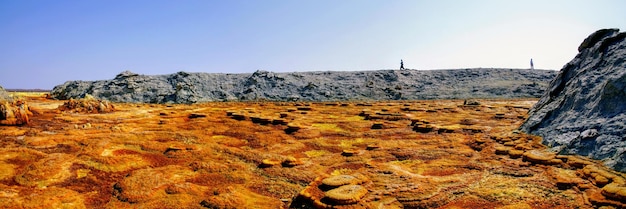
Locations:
column 583, row 111
column 183, row 87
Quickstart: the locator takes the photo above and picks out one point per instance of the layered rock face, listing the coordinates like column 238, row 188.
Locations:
column 183, row 87
column 583, row 111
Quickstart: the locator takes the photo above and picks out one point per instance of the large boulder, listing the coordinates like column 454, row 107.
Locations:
column 583, row 111
column 183, row 87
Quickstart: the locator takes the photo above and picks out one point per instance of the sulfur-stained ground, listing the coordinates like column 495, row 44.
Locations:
column 414, row 154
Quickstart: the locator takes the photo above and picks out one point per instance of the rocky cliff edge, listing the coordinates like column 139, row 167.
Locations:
column 583, row 110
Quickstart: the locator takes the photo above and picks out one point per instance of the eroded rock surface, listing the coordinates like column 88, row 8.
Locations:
column 87, row 106
column 15, row 112
column 584, row 110
column 4, row 95
column 237, row 156
column 183, row 87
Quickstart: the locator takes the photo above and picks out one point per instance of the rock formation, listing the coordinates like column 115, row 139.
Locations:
column 4, row 95
column 15, row 113
column 183, row 87
column 583, row 111
column 87, row 105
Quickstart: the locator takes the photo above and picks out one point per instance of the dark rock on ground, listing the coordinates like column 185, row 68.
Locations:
column 583, row 111
column 183, row 87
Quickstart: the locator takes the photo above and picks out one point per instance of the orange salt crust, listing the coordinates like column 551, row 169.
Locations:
column 409, row 154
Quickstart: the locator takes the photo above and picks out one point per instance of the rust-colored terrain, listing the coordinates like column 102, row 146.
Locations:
column 420, row 154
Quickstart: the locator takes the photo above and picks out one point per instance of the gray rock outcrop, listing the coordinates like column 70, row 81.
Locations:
column 583, row 111
column 183, row 87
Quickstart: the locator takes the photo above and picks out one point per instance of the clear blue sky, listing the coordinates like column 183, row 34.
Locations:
column 44, row 43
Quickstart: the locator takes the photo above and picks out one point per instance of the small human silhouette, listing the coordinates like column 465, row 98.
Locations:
column 401, row 65
column 532, row 66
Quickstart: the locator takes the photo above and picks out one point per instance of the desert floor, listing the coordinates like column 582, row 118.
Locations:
column 413, row 154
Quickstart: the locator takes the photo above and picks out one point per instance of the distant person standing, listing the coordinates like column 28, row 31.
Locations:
column 401, row 65
column 532, row 66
